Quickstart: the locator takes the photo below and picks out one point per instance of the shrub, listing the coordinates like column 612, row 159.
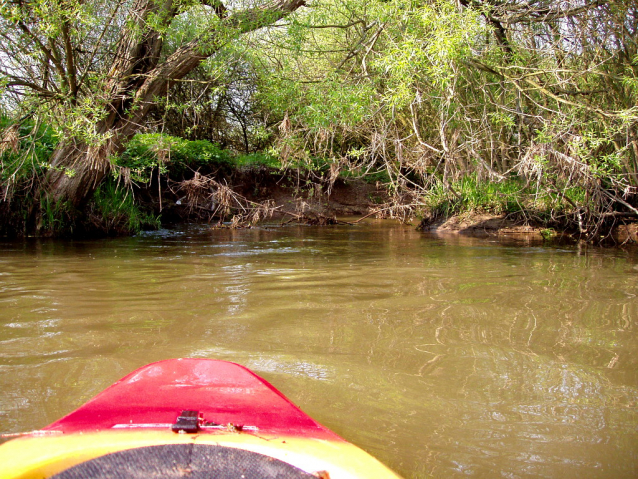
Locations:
column 25, row 149
column 169, row 155
column 257, row 159
column 113, row 210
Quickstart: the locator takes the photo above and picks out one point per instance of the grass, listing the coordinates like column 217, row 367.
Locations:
column 171, row 155
column 257, row 159
column 372, row 177
column 513, row 195
column 56, row 218
column 114, row 210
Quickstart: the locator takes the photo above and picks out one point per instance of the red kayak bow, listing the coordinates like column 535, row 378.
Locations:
column 196, row 418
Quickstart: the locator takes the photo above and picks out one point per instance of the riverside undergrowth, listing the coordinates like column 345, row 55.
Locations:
column 512, row 196
column 145, row 179
column 160, row 178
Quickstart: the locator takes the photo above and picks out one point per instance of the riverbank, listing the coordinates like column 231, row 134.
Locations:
column 359, row 198
column 247, row 196
column 506, row 226
column 232, row 196
column 161, row 180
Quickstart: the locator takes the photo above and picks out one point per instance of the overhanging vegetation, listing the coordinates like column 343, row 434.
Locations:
column 526, row 108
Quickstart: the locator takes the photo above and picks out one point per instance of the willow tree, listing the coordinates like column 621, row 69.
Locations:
column 95, row 70
column 436, row 91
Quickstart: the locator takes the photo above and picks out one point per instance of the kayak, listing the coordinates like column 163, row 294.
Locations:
column 195, row 418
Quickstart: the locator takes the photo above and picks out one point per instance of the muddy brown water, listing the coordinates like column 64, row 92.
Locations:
column 442, row 357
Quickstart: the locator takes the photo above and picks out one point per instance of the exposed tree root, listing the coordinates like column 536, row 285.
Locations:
column 211, row 200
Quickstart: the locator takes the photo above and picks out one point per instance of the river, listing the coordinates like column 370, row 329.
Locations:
column 442, row 357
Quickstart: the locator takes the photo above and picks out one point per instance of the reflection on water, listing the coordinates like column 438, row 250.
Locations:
column 442, row 357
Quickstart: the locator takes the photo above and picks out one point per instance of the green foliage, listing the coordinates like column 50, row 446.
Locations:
column 512, row 195
column 257, row 159
column 56, row 217
column 334, row 103
column 175, row 157
column 169, row 155
column 406, row 91
column 111, row 210
column 428, row 43
column 146, row 152
column 26, row 150
column 470, row 195
column 302, row 76
column 199, row 153
column 116, row 211
column 436, row 89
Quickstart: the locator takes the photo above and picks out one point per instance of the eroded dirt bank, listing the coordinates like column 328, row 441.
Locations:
column 294, row 197
column 280, row 195
column 486, row 225
column 481, row 225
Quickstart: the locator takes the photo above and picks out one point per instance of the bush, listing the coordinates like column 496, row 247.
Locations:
column 170, row 155
column 257, row 159
column 25, row 149
column 113, row 211
column 201, row 153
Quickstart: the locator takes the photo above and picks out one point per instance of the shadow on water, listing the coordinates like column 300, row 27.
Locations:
column 442, row 356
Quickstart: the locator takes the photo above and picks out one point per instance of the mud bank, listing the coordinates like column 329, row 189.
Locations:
column 482, row 225
column 286, row 195
column 502, row 226
column 302, row 196
column 344, row 198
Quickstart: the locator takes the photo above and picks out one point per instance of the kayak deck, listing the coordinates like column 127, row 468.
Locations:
column 223, row 394
column 179, row 402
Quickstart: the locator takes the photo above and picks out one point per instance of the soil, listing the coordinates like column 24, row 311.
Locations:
column 293, row 195
column 290, row 194
column 304, row 199
column 482, row 225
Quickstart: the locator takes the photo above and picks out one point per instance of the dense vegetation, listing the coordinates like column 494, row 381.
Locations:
column 523, row 107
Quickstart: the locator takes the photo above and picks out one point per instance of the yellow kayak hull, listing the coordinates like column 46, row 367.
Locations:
column 37, row 457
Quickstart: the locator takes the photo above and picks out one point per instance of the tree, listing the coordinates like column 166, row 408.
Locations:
column 96, row 69
column 539, row 91
column 218, row 103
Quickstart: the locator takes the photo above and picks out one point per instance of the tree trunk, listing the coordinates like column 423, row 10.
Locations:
column 138, row 80
column 77, row 170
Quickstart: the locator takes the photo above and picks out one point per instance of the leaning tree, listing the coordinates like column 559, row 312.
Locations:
column 96, row 69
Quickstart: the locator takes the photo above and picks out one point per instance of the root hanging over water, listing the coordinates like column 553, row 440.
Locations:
column 209, row 198
column 313, row 219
